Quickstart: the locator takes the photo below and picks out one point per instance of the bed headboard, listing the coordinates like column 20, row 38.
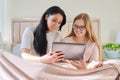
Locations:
column 18, row 26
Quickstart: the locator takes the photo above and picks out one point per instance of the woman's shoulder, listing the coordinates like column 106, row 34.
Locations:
column 28, row 32
column 30, row 29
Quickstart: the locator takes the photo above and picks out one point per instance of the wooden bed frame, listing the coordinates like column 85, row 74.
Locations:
column 18, row 26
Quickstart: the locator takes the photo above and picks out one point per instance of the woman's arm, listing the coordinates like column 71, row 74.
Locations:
column 26, row 55
column 51, row 57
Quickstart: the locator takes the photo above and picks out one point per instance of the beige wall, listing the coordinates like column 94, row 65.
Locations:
column 108, row 11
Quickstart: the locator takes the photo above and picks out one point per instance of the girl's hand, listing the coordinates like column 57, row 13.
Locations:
column 83, row 65
column 52, row 57
column 94, row 64
column 77, row 64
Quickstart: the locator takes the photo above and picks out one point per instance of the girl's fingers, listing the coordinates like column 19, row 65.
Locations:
column 99, row 64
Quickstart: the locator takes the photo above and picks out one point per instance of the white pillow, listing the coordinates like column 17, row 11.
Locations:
column 16, row 50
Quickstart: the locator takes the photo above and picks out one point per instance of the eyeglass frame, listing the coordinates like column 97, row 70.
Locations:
column 79, row 27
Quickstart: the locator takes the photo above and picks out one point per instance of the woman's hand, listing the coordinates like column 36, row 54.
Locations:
column 52, row 57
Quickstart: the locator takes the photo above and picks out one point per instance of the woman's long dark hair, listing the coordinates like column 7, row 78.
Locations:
column 40, row 40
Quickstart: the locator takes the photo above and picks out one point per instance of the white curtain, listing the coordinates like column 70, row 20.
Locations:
column 1, row 22
column 1, row 42
column 1, row 14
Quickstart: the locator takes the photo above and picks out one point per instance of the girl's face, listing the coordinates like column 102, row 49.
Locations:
column 54, row 21
column 79, row 28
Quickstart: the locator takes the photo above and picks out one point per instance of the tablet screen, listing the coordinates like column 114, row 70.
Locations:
column 72, row 51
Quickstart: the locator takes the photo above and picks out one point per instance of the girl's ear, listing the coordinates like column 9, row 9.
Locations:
column 46, row 16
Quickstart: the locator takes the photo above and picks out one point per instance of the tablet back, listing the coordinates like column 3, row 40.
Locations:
column 72, row 51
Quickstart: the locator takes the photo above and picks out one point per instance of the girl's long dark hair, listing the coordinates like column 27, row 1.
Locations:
column 40, row 40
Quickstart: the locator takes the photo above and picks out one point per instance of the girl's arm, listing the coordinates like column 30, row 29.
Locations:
column 83, row 65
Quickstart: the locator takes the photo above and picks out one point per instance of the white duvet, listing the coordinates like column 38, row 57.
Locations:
column 15, row 68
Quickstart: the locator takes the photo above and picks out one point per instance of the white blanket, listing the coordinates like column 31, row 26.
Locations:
column 16, row 68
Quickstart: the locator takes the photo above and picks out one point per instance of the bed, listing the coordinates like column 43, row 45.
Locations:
column 16, row 68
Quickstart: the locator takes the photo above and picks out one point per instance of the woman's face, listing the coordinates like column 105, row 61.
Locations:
column 79, row 28
column 54, row 21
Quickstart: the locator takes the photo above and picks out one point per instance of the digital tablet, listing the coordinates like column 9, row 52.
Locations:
column 72, row 51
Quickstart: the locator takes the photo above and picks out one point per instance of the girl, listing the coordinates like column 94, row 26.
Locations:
column 82, row 32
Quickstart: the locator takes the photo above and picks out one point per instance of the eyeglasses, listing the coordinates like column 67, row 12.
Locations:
column 79, row 27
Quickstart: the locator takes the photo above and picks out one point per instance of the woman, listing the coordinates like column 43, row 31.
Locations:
column 37, row 42
column 82, row 32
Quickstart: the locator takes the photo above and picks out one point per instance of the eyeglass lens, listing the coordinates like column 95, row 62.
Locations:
column 79, row 27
